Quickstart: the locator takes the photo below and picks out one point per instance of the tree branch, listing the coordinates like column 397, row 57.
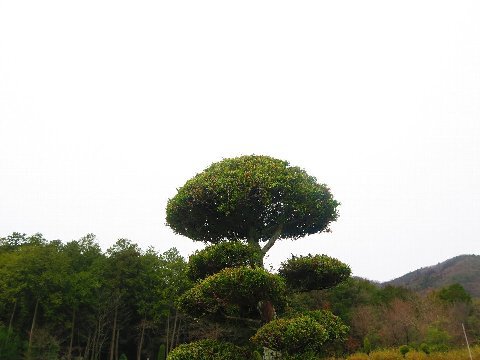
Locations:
column 271, row 241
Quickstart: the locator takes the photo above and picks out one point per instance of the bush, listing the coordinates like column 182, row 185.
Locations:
column 10, row 345
column 227, row 254
column 292, row 336
column 209, row 350
column 313, row 272
column 234, row 292
column 404, row 349
column 337, row 331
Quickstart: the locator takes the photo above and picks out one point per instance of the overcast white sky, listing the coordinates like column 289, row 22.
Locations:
column 106, row 107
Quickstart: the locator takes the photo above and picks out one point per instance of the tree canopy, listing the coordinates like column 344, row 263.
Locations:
column 254, row 198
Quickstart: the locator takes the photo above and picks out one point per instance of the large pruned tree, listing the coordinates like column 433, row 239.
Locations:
column 242, row 206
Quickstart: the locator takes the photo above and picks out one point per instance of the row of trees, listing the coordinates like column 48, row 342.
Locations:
column 74, row 300
column 381, row 317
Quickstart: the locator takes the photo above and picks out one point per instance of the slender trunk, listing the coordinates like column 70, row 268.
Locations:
column 116, row 344
column 139, row 351
column 33, row 327
column 10, row 323
column 85, row 353
column 167, row 349
column 172, row 343
column 69, row 355
column 271, row 241
column 114, row 333
column 94, row 342
column 178, row 332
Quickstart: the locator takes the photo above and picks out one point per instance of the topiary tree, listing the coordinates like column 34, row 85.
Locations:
column 242, row 206
column 254, row 198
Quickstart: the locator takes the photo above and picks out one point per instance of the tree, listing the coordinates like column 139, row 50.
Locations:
column 253, row 198
column 251, row 202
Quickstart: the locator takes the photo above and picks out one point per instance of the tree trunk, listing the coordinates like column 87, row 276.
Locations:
column 139, row 351
column 30, row 338
column 116, row 344
column 172, row 344
column 86, row 352
column 114, row 333
column 167, row 349
column 178, row 332
column 271, row 241
column 10, row 323
column 69, row 355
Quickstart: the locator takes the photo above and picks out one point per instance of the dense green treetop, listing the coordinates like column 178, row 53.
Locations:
column 313, row 272
column 253, row 198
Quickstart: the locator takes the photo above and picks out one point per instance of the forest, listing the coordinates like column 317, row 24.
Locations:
column 72, row 300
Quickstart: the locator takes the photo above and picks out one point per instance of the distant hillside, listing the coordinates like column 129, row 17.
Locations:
column 463, row 269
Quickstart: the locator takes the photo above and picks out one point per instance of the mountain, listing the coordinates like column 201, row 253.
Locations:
column 463, row 269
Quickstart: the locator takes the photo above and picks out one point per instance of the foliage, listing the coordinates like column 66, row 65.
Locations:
column 253, row 198
column 209, row 350
column 313, row 272
column 292, row 335
column 335, row 328
column 454, row 293
column 437, row 339
column 223, row 255
column 256, row 355
column 161, row 352
column 10, row 345
column 404, row 349
column 233, row 292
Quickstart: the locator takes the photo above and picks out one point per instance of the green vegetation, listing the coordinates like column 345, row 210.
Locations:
column 71, row 300
column 74, row 301
column 252, row 198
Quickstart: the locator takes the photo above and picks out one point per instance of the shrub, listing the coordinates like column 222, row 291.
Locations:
column 161, row 352
column 404, row 349
column 209, row 350
column 292, row 336
column 233, row 292
column 227, row 254
column 337, row 331
column 313, row 272
column 358, row 356
column 10, row 345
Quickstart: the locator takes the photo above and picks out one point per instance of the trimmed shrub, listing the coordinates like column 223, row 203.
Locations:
column 337, row 331
column 209, row 350
column 292, row 336
column 233, row 292
column 227, row 254
column 313, row 272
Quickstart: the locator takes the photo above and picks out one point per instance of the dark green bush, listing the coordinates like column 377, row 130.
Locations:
column 227, row 254
column 292, row 336
column 313, row 272
column 161, row 352
column 404, row 349
column 233, row 292
column 209, row 350
column 10, row 345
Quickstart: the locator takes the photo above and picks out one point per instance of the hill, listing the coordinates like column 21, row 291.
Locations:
column 463, row 269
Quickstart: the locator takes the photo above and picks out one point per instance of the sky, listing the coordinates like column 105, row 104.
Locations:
column 108, row 107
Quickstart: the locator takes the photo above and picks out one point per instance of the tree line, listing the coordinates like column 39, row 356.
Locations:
column 72, row 300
